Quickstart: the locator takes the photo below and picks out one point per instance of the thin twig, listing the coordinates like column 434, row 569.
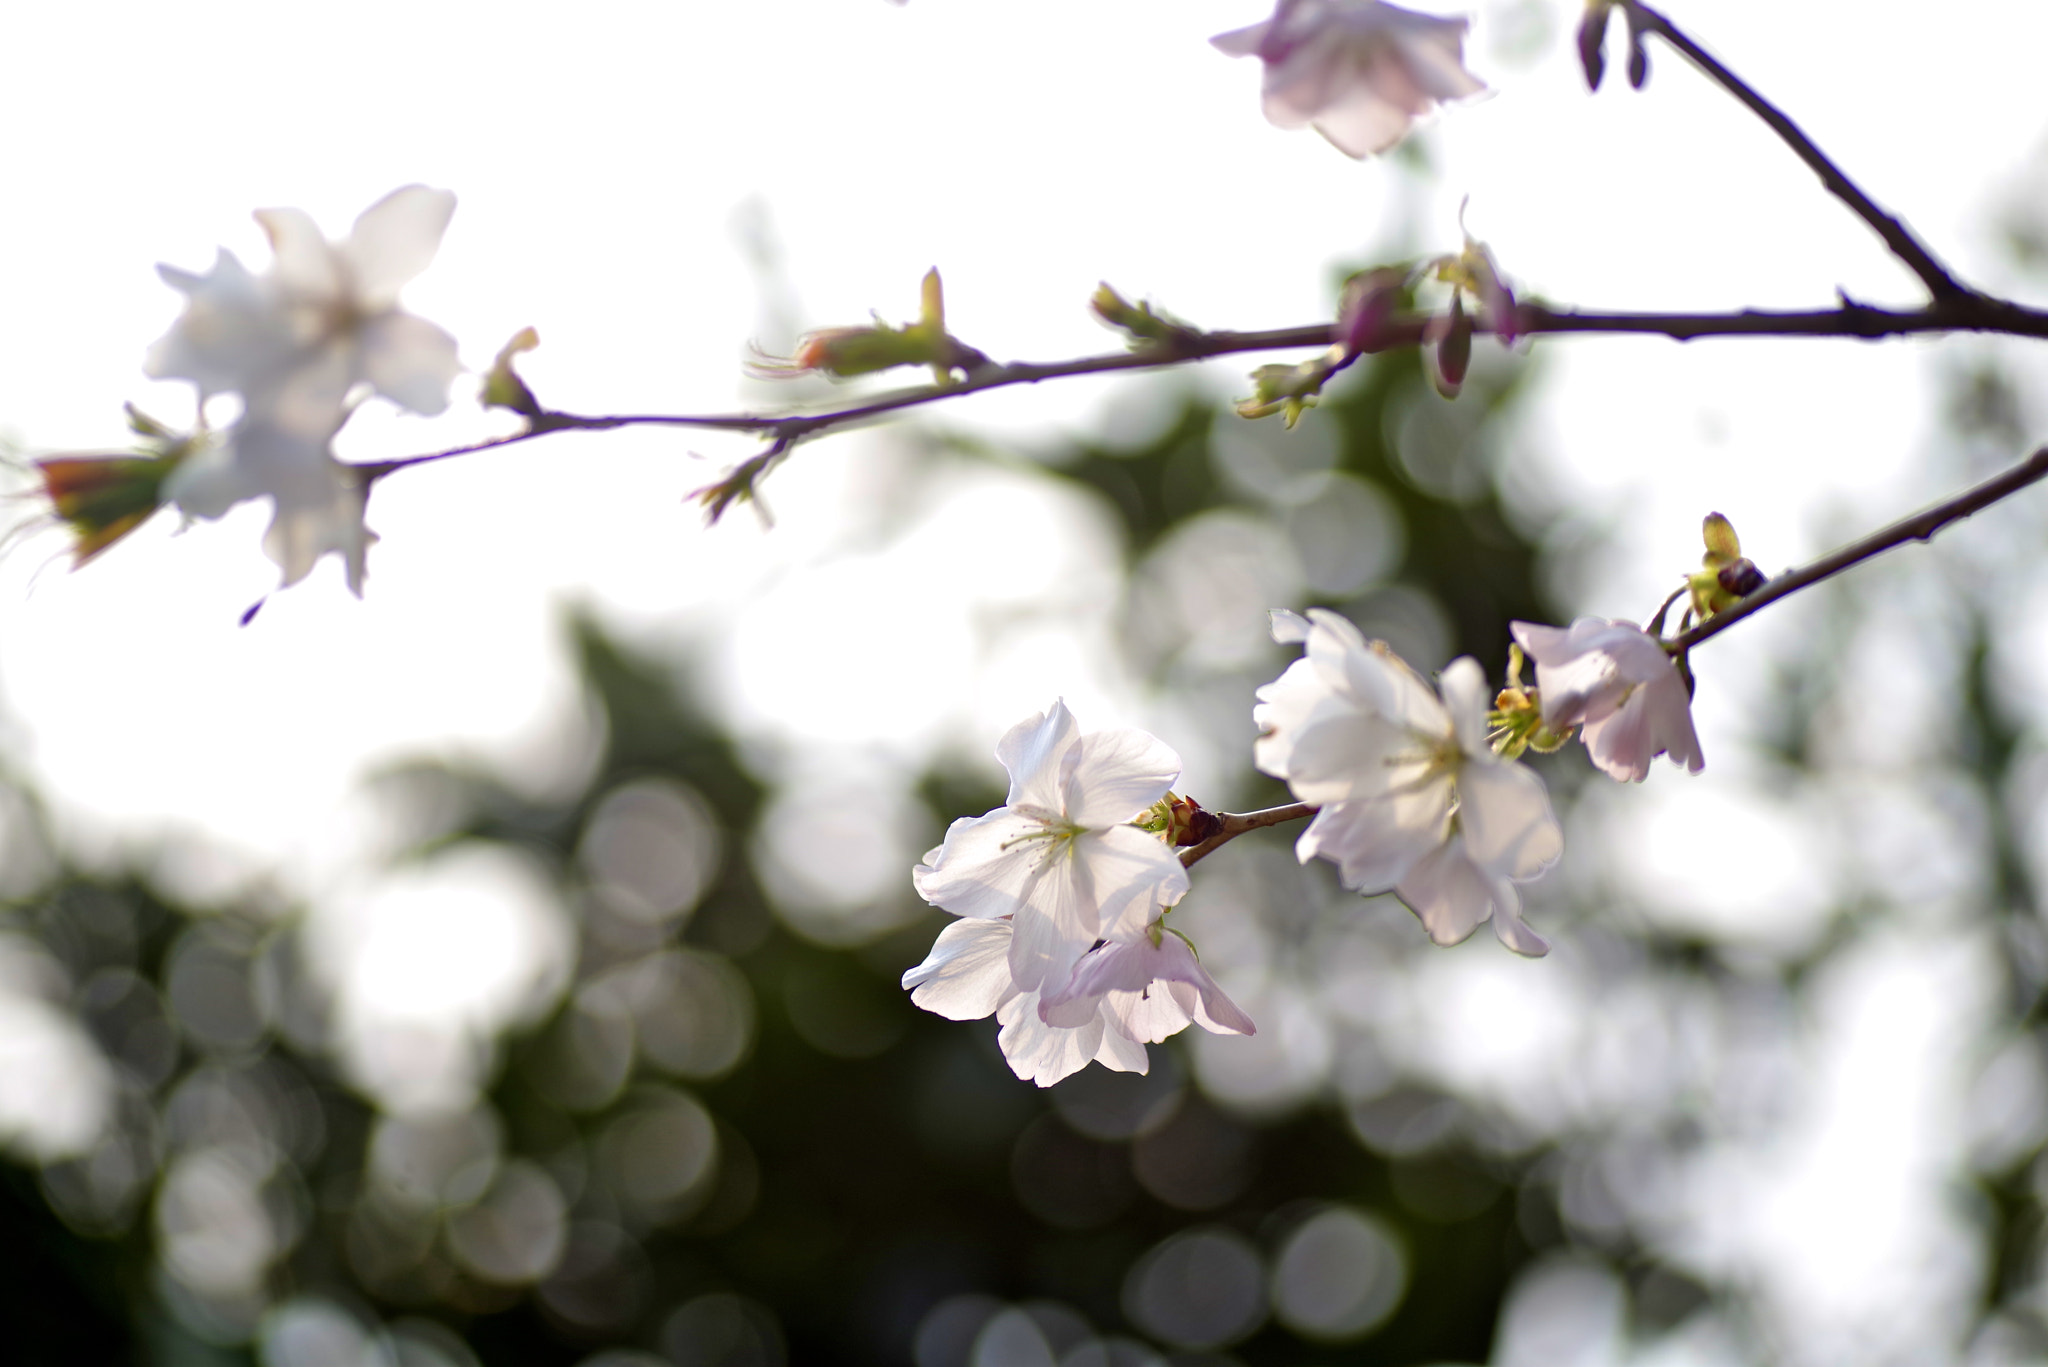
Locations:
column 1897, row 236
column 1921, row 526
column 1236, row 824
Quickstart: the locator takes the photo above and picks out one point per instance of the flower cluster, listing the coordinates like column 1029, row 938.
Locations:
column 1062, row 900
column 1413, row 798
column 296, row 344
column 1358, row 71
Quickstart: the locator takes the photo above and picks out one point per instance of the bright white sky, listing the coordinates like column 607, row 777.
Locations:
column 602, row 160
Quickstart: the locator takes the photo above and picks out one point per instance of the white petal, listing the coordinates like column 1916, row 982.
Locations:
column 409, row 361
column 986, row 868
column 306, row 265
column 1031, row 752
column 1289, row 628
column 967, row 973
column 1509, row 926
column 1505, row 814
column 1042, row 1053
column 1448, row 893
column 1468, row 699
column 393, row 241
column 1112, row 776
column 1355, row 756
column 308, row 527
column 1374, row 844
column 1130, row 874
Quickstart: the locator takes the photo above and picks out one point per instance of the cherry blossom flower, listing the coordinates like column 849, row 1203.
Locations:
column 1616, row 681
column 1060, row 857
column 295, row 343
column 1412, row 797
column 1358, row 71
column 1121, row 996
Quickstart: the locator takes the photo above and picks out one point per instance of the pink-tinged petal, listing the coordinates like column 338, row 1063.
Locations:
column 1122, row 1055
column 967, row 974
column 1031, row 752
column 1043, row 1053
column 1374, row 844
column 1149, row 1015
column 1621, row 744
column 1113, row 776
column 393, row 241
column 1671, row 718
column 409, row 361
column 306, row 265
column 1468, row 699
column 1448, row 893
column 1363, row 124
column 986, row 868
column 1437, row 65
column 1241, row 42
column 1505, row 815
column 1509, row 926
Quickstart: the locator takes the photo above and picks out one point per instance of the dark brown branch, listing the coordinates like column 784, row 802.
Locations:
column 1236, row 824
column 1960, row 313
column 1921, row 526
column 1897, row 236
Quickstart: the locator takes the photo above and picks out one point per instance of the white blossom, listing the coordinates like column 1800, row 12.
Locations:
column 295, row 344
column 1358, row 71
column 1060, row 856
column 1616, row 681
column 1121, row 996
column 1412, row 797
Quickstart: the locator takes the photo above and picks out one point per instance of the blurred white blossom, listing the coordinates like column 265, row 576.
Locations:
column 296, row 344
column 1060, row 857
column 1358, row 71
column 1413, row 797
column 1616, row 681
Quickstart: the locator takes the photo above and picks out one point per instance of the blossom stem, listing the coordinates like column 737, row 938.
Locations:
column 1236, row 824
column 1897, row 236
column 1921, row 526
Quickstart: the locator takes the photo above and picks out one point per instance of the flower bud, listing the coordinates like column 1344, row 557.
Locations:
column 104, row 498
column 1447, row 349
column 1723, row 544
column 1638, row 56
column 1592, row 38
column 1740, row 577
column 1370, row 299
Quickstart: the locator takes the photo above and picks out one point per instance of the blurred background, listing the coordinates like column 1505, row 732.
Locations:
column 503, row 969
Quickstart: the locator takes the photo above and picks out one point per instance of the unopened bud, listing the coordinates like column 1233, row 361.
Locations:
column 1370, row 299
column 1723, row 544
column 1451, row 355
column 1638, row 56
column 1140, row 322
column 1592, row 39
column 1740, row 577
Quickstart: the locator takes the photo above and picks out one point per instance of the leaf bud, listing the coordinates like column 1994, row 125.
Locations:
column 105, row 497
column 1140, row 322
column 1289, row 390
column 502, row 386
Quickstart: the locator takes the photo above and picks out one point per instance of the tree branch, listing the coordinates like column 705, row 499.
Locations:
column 1967, row 312
column 1236, row 824
column 1921, row 526
column 1897, row 236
